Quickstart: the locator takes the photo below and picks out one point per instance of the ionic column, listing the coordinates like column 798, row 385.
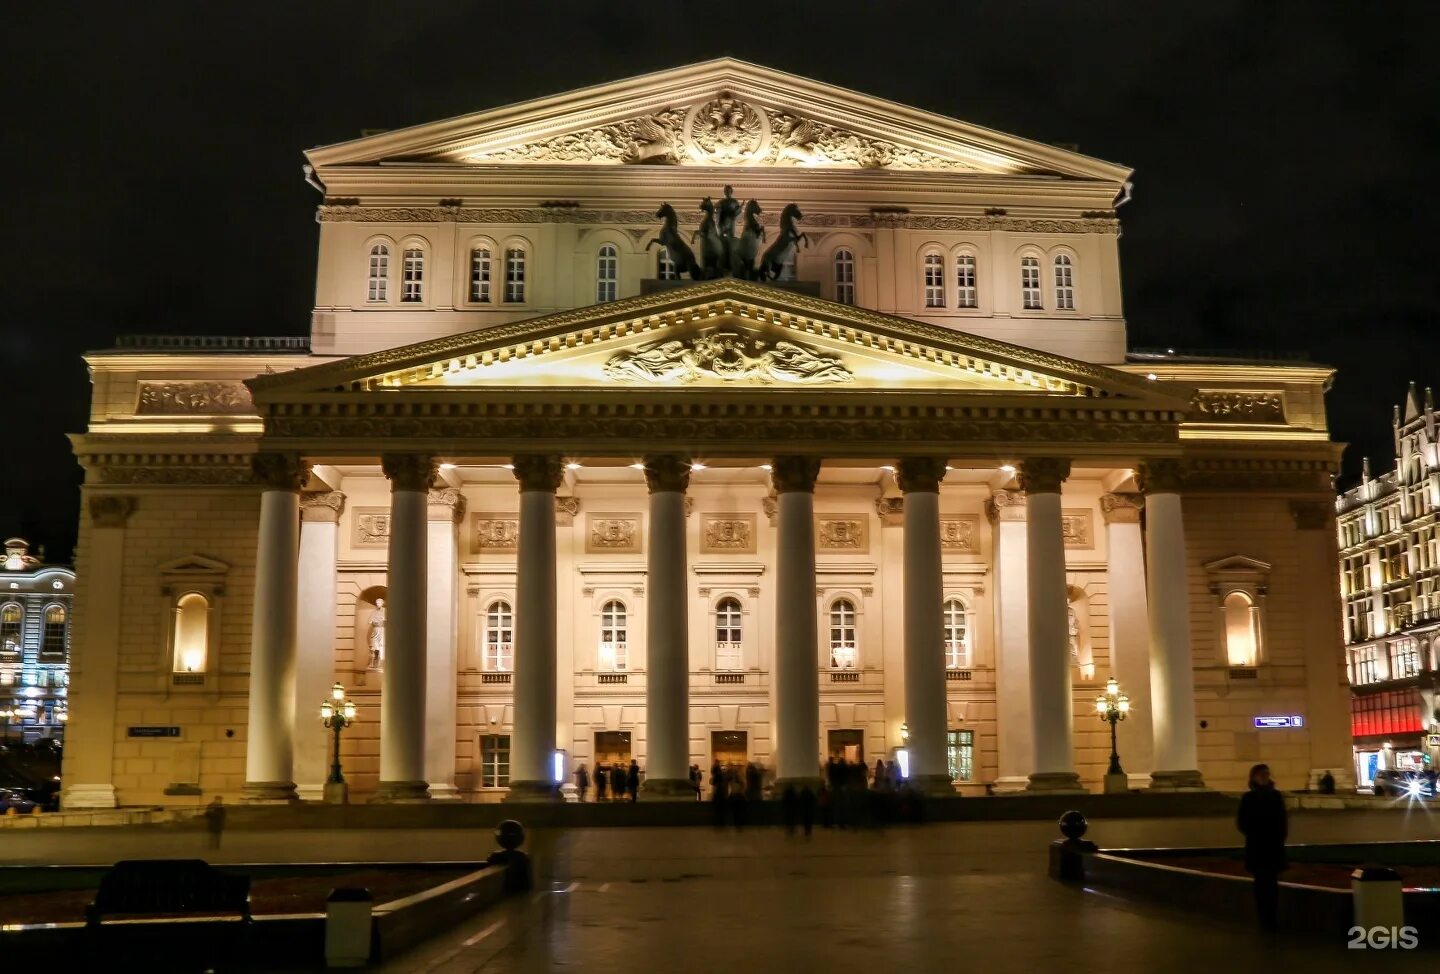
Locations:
column 445, row 507
column 667, row 657
column 1051, row 707
column 1006, row 509
column 1129, row 628
column 919, row 478
column 402, row 697
column 1172, row 679
column 269, row 747
column 532, row 747
column 315, row 654
column 797, row 683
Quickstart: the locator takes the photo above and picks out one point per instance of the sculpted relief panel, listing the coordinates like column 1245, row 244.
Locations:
column 957, row 534
column 494, row 534
column 186, row 398
column 848, row 533
column 727, row 534
column 1077, row 527
column 730, row 355
column 370, row 527
column 1218, row 406
column 612, row 534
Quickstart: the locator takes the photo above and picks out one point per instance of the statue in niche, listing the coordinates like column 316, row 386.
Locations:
column 376, row 638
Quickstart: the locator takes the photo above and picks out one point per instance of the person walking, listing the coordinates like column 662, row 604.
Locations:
column 1263, row 822
column 215, row 820
column 602, row 778
column 582, row 781
column 633, row 784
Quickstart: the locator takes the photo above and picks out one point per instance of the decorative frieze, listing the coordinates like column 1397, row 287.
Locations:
column 1241, row 406
column 727, row 534
column 1077, row 526
column 494, row 534
column 192, row 398
column 848, row 533
column 958, row 535
column 729, row 354
column 612, row 534
column 370, row 527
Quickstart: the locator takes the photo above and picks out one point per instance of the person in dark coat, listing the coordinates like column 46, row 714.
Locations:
column 582, row 781
column 1263, row 822
column 1327, row 784
column 632, row 784
column 807, row 810
column 602, row 778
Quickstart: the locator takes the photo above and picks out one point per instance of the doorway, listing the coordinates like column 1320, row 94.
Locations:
column 730, row 748
column 846, row 745
column 612, row 748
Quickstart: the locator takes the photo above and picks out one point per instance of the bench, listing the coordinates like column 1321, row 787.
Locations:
column 168, row 888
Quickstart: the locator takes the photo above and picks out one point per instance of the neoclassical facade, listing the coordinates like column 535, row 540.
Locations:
column 35, row 614
column 540, row 492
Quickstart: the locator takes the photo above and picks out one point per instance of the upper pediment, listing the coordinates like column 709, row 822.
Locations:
column 718, row 113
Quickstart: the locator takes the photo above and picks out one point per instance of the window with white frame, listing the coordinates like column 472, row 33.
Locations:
column 957, row 635
column 191, row 633
column 1242, row 630
column 934, row 281
column 844, row 276
column 727, row 634
column 494, row 760
column 412, row 276
column 842, row 635
column 12, row 621
column 1064, row 283
column 499, row 637
column 967, row 294
column 514, row 275
column 614, row 637
column 607, row 274
column 960, row 754
column 1404, row 658
column 53, row 637
column 480, row 275
column 379, row 273
column 665, row 268
column 1030, row 283
column 1364, row 666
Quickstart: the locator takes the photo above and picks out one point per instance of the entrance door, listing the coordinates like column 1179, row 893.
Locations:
column 612, row 748
column 730, row 748
column 847, row 745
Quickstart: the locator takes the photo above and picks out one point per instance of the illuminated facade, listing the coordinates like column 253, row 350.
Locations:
column 35, row 617
column 1390, row 582
column 529, row 487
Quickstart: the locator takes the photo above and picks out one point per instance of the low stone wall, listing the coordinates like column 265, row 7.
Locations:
column 98, row 817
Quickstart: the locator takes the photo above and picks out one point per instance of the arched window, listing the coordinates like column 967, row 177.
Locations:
column 844, row 276
column 1030, row 283
column 480, row 275
column 1242, row 630
column 412, row 276
column 499, row 637
column 52, row 642
column 614, row 637
column 665, row 268
column 967, row 295
column 934, row 281
column 957, row 635
column 842, row 635
column 12, row 619
column 379, row 287
column 727, row 634
column 192, row 633
column 514, row 275
column 607, row 274
column 1064, row 283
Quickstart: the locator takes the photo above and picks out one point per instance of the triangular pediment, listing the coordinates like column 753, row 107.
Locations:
column 724, row 113
column 718, row 336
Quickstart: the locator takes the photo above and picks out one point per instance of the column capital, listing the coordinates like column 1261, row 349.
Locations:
column 667, row 473
column 1312, row 515
column 111, row 511
column 794, row 474
column 280, row 471
column 539, row 471
column 445, row 504
column 1160, row 476
column 1005, row 505
column 1043, row 475
column 1121, row 508
column 920, row 474
column 321, row 505
column 409, row 471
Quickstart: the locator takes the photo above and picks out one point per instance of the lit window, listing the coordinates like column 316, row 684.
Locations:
column 967, row 295
column 1064, row 284
column 957, row 636
column 842, row 635
column 11, row 622
column 960, row 754
column 499, row 637
column 844, row 277
column 480, row 275
column 192, row 632
column 1404, row 658
column 665, row 268
column 607, row 274
column 614, row 642
column 53, row 641
column 379, row 289
column 495, row 761
column 514, row 275
column 412, row 277
column 1030, row 283
column 727, row 634
column 934, row 281
column 1242, row 630
column 1364, row 666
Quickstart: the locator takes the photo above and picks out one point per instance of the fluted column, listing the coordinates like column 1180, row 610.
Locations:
column 445, row 508
column 667, row 657
column 797, row 683
column 1129, row 629
column 532, row 747
column 924, row 636
column 315, row 627
column 1013, row 730
column 269, row 754
column 1052, row 710
column 1172, row 677
column 402, row 698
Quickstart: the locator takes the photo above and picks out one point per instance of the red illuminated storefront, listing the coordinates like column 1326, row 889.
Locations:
column 1389, row 728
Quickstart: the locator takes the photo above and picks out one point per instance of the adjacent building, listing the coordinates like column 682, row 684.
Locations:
column 1390, row 581
column 35, row 617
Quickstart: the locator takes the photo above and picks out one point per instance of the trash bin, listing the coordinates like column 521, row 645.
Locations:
column 1378, row 899
column 347, row 927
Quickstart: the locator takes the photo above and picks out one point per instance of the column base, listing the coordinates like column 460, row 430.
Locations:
column 1010, row 785
column 1138, row 782
column 1055, row 783
column 532, row 792
column 401, row 793
column 1117, row 784
column 269, row 792
column 777, row 790
column 934, row 785
column 88, row 796
column 335, row 793
column 311, row 793
column 666, row 790
column 444, row 792
column 1177, row 781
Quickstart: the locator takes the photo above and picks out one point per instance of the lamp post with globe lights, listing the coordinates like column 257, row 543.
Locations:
column 337, row 713
column 1112, row 706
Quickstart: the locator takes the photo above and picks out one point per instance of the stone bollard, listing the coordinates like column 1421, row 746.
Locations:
column 1067, row 856
column 1378, row 898
column 510, row 835
column 348, row 928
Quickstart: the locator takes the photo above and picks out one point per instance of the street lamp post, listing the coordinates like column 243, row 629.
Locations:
column 337, row 713
column 1111, row 707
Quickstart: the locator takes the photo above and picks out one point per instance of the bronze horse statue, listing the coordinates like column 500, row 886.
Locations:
column 744, row 248
column 787, row 242
column 714, row 255
column 669, row 238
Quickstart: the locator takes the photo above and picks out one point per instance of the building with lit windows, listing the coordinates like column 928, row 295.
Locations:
column 545, row 486
column 1390, row 581
column 35, row 615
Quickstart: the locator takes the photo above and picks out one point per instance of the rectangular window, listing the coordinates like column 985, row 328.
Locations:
column 515, row 276
column 1030, row 283
column 934, row 281
column 412, row 278
column 960, row 754
column 1064, row 284
column 495, row 761
column 480, row 276
column 1404, row 658
column 844, row 277
column 966, row 294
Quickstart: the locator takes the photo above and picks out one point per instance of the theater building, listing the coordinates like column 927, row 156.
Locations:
column 35, row 609
column 540, row 492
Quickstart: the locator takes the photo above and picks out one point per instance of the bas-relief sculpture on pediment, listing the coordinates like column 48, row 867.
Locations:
column 193, row 398
column 728, row 354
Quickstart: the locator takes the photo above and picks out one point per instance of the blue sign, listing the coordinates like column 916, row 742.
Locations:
column 1290, row 720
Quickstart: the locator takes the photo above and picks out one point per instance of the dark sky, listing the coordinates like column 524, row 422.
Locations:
column 1284, row 157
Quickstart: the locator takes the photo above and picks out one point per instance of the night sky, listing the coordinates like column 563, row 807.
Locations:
column 1284, row 160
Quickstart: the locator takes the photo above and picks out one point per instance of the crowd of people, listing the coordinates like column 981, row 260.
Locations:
column 612, row 782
